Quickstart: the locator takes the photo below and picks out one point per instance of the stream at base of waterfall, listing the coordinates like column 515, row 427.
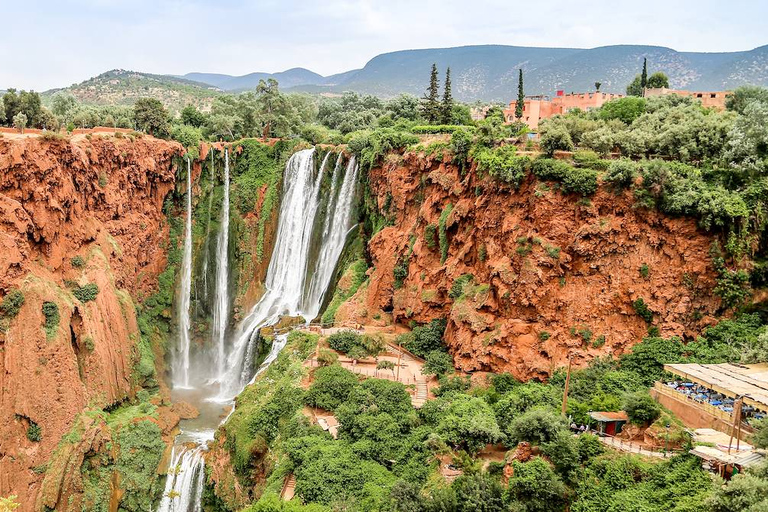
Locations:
column 295, row 285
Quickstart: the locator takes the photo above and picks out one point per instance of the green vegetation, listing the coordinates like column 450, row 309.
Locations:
column 34, row 432
column 52, row 318
column 642, row 309
column 430, row 236
column 77, row 262
column 11, row 304
column 442, row 234
column 502, row 163
column 357, row 345
column 86, row 293
column 424, row 338
column 572, row 179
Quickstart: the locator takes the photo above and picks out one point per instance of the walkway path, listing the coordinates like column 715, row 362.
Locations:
column 630, row 447
column 289, row 488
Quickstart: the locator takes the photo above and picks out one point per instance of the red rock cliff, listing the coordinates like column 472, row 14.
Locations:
column 101, row 199
column 554, row 274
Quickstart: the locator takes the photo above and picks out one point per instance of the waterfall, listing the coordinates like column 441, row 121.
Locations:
column 184, row 483
column 290, row 264
column 340, row 219
column 181, row 373
column 221, row 298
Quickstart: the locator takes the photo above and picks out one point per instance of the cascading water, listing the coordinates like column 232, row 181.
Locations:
column 289, row 266
column 295, row 285
column 221, row 297
column 339, row 218
column 184, row 483
column 181, row 369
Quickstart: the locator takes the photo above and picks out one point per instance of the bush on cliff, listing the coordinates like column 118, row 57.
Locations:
column 572, row 179
column 12, row 304
column 424, row 338
column 86, row 293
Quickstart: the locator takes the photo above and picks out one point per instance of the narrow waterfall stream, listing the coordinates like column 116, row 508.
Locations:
column 181, row 365
column 221, row 297
column 295, row 285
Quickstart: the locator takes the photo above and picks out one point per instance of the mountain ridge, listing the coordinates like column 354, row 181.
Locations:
column 486, row 72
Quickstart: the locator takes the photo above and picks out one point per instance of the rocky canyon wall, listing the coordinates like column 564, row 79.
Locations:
column 546, row 275
column 74, row 212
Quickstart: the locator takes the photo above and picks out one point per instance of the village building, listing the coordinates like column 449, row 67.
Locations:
column 536, row 108
column 709, row 99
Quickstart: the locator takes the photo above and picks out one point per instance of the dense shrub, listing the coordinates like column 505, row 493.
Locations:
column 34, row 432
column 537, row 426
column 502, row 163
column 12, row 304
column 572, row 179
column 621, row 173
column 457, row 288
column 331, row 386
column 86, row 293
column 624, row 109
column 556, row 138
column 51, row 315
column 371, row 147
column 641, row 408
column 77, row 262
column 424, row 338
column 642, row 309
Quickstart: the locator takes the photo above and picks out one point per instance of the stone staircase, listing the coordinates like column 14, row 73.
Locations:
column 289, row 487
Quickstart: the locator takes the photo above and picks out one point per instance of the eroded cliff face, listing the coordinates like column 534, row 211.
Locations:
column 553, row 275
column 99, row 199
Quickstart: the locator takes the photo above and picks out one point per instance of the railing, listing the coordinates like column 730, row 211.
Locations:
column 708, row 408
column 631, row 447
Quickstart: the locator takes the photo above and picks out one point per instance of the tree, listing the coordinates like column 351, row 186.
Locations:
column 20, row 121
column 644, row 74
column 537, row 426
column 467, row 422
column 597, row 86
column 430, row 106
column 437, row 363
column 62, row 105
column 536, row 487
column 623, row 109
column 657, row 81
column 446, row 108
column 520, row 96
column 11, row 105
column 150, row 116
column 641, row 408
column 331, row 387
column 193, row 117
column 742, row 96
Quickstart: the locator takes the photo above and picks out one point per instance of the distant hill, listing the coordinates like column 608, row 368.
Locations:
column 121, row 87
column 287, row 79
column 485, row 73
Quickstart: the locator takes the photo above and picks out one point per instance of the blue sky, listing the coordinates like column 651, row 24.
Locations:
column 54, row 43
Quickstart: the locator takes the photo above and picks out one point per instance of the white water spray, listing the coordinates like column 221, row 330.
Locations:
column 184, row 483
column 289, row 266
column 181, row 371
column 221, row 297
column 338, row 221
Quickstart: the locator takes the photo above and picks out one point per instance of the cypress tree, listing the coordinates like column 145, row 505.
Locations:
column 447, row 106
column 431, row 104
column 644, row 76
column 520, row 97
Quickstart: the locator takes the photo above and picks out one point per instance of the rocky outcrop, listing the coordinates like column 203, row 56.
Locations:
column 553, row 276
column 73, row 212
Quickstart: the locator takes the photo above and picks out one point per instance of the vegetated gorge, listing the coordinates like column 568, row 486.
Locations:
column 374, row 311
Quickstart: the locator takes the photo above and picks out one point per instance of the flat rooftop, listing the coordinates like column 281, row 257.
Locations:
column 747, row 380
